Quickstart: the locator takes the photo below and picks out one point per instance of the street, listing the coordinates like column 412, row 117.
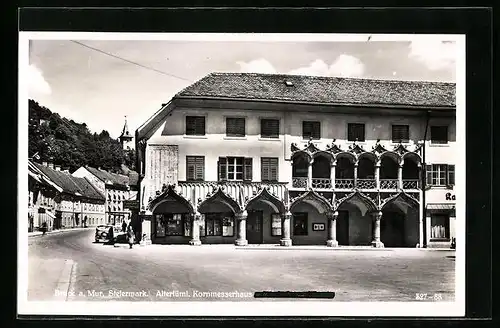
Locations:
column 70, row 266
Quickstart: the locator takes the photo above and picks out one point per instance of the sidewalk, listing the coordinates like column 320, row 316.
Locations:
column 39, row 233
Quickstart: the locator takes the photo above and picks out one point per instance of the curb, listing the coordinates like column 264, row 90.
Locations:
column 63, row 284
column 38, row 233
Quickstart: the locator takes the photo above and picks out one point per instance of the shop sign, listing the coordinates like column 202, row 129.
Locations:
column 449, row 196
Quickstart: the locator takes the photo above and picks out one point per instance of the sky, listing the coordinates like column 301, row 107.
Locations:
column 119, row 78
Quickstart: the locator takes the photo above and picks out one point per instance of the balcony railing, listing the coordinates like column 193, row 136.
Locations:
column 344, row 183
column 194, row 190
column 321, row 183
column 411, row 184
column 299, row 182
column 388, row 183
column 366, row 183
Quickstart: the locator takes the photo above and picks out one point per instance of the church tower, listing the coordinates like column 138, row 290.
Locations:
column 126, row 137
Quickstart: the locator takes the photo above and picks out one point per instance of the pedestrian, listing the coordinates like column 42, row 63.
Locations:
column 124, row 226
column 44, row 227
column 130, row 235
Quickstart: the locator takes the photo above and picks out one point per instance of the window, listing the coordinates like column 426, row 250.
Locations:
column 227, row 226
column 300, row 224
column 195, row 125
column 439, row 134
column 269, row 128
column 440, row 175
column 269, row 169
column 195, row 168
column 440, row 226
column 170, row 224
column 235, row 168
column 355, row 132
column 400, row 133
column 275, row 225
column 187, row 226
column 235, row 127
column 311, row 129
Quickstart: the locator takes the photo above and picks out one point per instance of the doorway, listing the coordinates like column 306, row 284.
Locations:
column 343, row 228
column 254, row 227
column 392, row 229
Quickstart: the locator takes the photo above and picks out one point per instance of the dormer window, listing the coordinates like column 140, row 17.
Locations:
column 289, row 83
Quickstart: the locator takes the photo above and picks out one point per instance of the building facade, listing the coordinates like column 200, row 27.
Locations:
column 60, row 200
column 296, row 160
column 116, row 190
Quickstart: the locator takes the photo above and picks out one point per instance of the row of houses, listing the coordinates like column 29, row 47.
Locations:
column 86, row 198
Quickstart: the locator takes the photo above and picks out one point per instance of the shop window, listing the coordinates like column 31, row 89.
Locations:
column 202, row 225
column 227, row 226
column 160, row 225
column 276, row 225
column 300, row 224
column 187, row 226
column 173, row 224
column 440, row 226
column 213, row 224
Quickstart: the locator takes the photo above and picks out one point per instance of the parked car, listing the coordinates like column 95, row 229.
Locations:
column 106, row 233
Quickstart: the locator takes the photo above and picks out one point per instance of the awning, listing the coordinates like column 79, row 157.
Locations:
column 50, row 214
column 447, row 206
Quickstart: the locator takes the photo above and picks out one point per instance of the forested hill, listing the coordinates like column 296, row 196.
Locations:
column 70, row 144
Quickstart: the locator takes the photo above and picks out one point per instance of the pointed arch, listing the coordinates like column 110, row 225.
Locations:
column 326, row 154
column 392, row 155
column 401, row 196
column 266, row 197
column 219, row 196
column 311, row 197
column 168, row 194
column 369, row 155
column 348, row 155
column 363, row 202
column 300, row 153
column 414, row 157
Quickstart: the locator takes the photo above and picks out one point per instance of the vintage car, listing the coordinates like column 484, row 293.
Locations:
column 106, row 233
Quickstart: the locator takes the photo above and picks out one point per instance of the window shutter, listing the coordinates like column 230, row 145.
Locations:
column 270, row 128
column 222, row 168
column 400, row 133
column 247, row 170
column 235, row 127
column 451, row 175
column 200, row 168
column 190, row 168
column 273, row 168
column 428, row 170
column 265, row 169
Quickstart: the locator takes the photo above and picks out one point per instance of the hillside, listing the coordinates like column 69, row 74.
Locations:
column 71, row 144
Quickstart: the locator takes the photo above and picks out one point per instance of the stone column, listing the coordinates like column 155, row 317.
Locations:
column 195, row 229
column 241, row 218
column 286, row 220
column 332, row 229
column 356, row 174
column 400, row 176
column 333, row 167
column 421, row 214
column 377, row 216
column 377, row 175
column 310, row 173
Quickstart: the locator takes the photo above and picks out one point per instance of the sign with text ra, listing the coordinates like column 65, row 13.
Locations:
column 131, row 204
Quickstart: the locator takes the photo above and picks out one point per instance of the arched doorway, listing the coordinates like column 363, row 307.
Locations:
column 309, row 225
column 399, row 226
column 354, row 223
column 171, row 218
column 264, row 218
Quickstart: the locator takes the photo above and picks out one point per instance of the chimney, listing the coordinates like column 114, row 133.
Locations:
column 51, row 165
column 44, row 163
column 57, row 167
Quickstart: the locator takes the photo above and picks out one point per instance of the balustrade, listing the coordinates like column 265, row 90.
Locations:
column 366, row 183
column 411, row 184
column 388, row 183
column 299, row 182
column 321, row 183
column 344, row 183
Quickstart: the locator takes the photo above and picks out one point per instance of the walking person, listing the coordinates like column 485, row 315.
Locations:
column 130, row 235
column 124, row 226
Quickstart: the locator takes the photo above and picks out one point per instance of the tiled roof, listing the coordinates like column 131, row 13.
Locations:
column 70, row 183
column 327, row 90
column 116, row 179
